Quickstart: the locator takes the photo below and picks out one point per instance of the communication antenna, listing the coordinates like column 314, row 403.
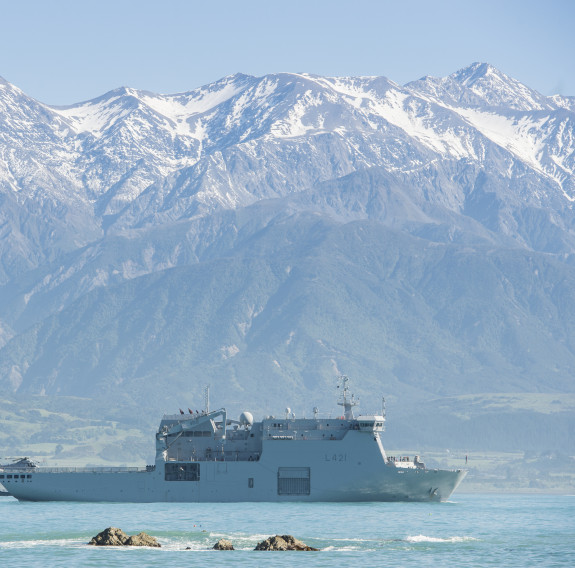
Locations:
column 347, row 401
column 207, row 398
column 383, row 409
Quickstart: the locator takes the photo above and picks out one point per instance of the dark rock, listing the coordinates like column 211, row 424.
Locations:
column 113, row 536
column 223, row 544
column 142, row 539
column 284, row 542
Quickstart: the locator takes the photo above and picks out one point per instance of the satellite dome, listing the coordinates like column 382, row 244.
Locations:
column 246, row 419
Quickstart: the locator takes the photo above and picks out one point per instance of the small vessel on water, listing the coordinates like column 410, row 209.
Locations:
column 207, row 457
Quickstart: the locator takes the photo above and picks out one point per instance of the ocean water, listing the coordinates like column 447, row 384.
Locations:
column 469, row 530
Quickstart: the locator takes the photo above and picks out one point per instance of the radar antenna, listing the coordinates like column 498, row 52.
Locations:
column 347, row 401
column 383, row 410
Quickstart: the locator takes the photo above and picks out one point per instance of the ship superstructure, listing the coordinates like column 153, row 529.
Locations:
column 20, row 464
column 208, row 457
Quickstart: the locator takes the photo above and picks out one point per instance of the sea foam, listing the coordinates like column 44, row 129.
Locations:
column 422, row 538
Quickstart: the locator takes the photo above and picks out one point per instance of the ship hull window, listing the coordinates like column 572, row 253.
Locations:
column 182, row 472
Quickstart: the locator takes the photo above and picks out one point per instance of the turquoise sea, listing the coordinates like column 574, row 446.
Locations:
column 469, row 530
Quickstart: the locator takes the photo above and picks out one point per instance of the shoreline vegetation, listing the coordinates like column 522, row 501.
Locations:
column 548, row 472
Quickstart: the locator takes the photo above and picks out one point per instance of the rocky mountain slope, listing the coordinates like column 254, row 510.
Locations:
column 264, row 234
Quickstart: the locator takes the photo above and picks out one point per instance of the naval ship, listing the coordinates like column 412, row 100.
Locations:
column 207, row 457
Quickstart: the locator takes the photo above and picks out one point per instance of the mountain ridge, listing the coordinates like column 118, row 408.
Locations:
column 267, row 233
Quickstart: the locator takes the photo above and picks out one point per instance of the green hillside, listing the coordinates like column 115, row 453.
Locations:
column 307, row 299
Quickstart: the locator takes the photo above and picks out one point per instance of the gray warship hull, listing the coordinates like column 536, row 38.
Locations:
column 206, row 457
column 288, row 470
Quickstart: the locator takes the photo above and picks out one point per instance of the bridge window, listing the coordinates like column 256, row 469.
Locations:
column 196, row 433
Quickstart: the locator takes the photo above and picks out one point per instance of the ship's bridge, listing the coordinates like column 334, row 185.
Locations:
column 370, row 422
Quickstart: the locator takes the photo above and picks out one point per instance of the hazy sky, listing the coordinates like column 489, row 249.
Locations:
column 65, row 51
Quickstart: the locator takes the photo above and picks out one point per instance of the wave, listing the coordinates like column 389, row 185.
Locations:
column 422, row 538
column 352, row 540
column 231, row 535
column 344, row 549
column 41, row 542
column 205, row 542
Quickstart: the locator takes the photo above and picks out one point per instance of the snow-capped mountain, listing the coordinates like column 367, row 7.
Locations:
column 277, row 185
column 132, row 158
column 205, row 149
column 476, row 143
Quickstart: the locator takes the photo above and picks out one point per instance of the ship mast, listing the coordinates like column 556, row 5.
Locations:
column 347, row 401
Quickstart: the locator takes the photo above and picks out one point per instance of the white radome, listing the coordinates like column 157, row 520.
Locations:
column 246, row 419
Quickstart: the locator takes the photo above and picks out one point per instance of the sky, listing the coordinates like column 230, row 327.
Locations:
column 62, row 52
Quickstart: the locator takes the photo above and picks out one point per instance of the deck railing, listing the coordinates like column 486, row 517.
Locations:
column 81, row 470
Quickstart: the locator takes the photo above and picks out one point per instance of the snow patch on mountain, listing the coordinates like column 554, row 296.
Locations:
column 93, row 117
column 182, row 109
column 300, row 120
column 518, row 135
column 498, row 90
column 398, row 110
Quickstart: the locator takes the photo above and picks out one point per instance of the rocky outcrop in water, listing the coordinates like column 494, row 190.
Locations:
column 113, row 536
column 223, row 544
column 283, row 542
